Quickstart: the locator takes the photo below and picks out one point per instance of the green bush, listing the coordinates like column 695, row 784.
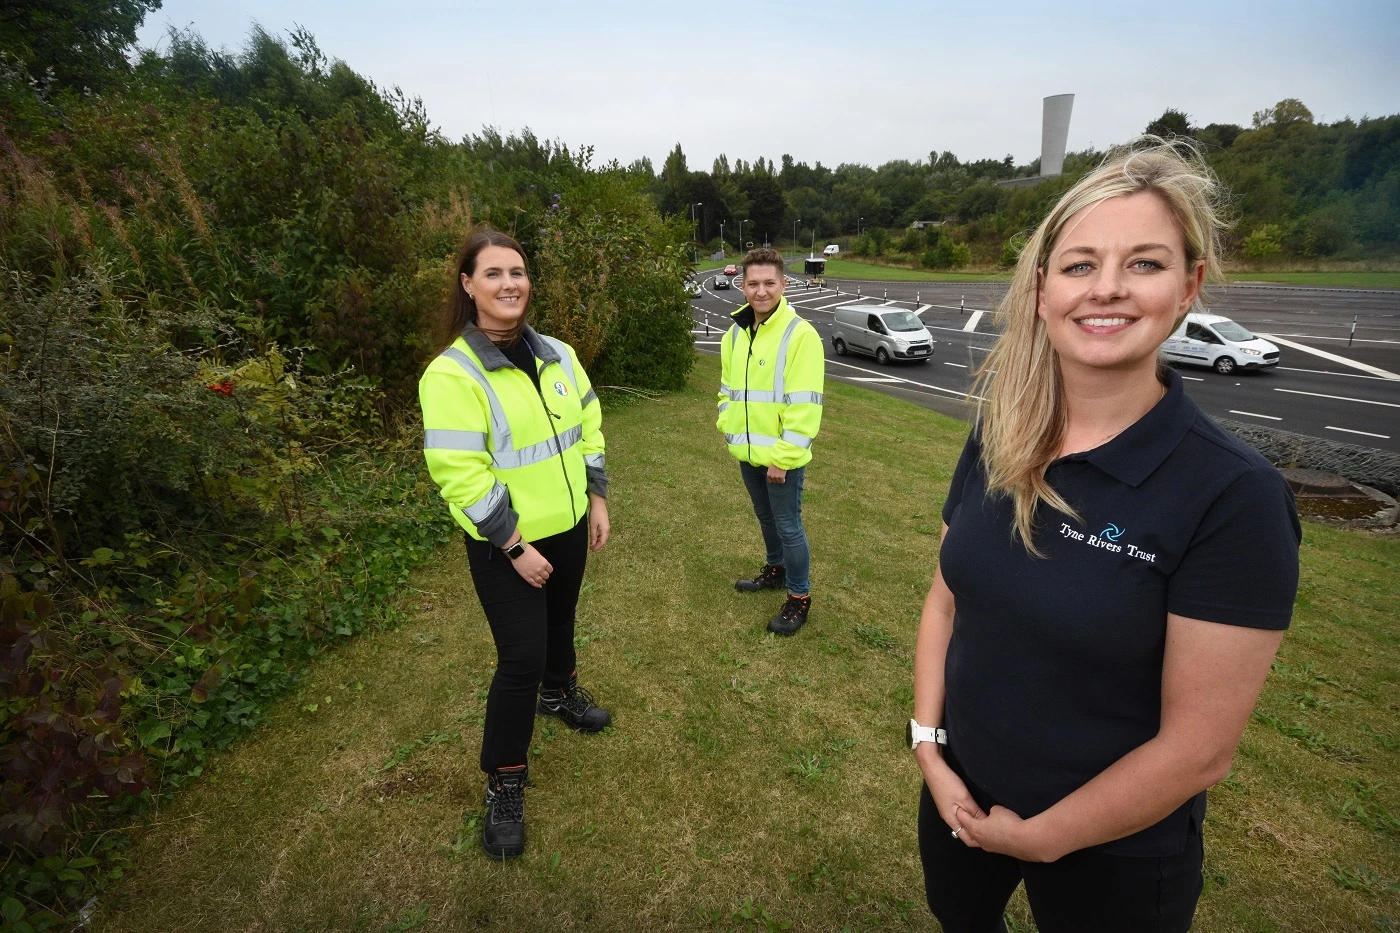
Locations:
column 1264, row 241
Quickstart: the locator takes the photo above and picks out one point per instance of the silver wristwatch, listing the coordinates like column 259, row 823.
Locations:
column 915, row 733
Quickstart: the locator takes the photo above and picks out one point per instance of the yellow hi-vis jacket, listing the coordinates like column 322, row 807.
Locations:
column 503, row 454
column 770, row 392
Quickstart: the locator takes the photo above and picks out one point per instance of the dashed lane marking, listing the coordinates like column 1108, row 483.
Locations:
column 1384, row 437
column 971, row 324
column 869, row 378
column 1193, row 378
column 1255, row 415
column 917, row 385
column 958, row 365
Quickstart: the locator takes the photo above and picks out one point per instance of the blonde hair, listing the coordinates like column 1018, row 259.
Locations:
column 1022, row 411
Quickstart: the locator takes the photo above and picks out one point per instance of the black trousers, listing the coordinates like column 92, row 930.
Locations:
column 534, row 634
column 1084, row 892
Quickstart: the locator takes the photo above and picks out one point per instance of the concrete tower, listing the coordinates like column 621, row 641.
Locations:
column 1054, row 133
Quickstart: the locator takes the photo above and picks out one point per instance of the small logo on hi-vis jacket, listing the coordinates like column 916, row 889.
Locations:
column 561, row 388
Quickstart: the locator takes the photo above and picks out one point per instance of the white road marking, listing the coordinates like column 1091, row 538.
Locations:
column 917, row 385
column 959, row 365
column 1255, row 415
column 1193, row 378
column 971, row 324
column 922, row 308
column 1348, row 339
column 1364, row 367
column 1328, row 372
column 834, row 304
column 1340, row 398
column 870, row 378
column 1384, row 437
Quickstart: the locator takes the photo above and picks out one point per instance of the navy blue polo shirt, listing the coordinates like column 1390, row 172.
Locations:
column 1054, row 670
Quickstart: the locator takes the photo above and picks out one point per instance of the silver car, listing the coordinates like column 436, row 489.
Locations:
column 884, row 333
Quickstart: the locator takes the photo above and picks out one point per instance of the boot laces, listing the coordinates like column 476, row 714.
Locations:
column 792, row 609
column 577, row 700
column 507, row 800
column 769, row 573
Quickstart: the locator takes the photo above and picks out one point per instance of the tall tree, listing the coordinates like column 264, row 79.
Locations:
column 1171, row 123
column 76, row 43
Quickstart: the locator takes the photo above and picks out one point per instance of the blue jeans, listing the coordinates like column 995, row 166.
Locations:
column 779, row 510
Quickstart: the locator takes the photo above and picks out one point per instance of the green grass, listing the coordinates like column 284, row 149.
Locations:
column 750, row 782
column 1326, row 279
column 855, row 269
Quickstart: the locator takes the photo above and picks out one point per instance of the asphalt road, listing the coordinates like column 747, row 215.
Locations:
column 1323, row 387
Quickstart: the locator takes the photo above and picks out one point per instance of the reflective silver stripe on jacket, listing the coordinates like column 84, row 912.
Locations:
column 757, row 440
column 480, row 510
column 597, row 461
column 798, row 398
column 536, row 453
column 797, row 440
column 443, row 439
column 503, row 453
column 782, row 358
column 500, row 427
column 589, row 398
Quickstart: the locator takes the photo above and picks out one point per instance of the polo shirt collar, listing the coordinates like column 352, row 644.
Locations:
column 1134, row 455
column 493, row 359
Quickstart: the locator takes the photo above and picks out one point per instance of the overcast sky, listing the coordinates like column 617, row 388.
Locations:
column 836, row 82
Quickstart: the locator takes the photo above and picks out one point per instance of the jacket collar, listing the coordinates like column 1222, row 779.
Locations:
column 493, row 359
column 744, row 317
column 1134, row 455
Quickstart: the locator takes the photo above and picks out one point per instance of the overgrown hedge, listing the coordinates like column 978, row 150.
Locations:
column 217, row 276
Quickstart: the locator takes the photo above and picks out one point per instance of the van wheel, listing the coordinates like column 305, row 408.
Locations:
column 839, row 346
column 882, row 356
column 1224, row 365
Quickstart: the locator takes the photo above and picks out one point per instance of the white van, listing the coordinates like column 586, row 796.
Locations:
column 884, row 333
column 1220, row 343
column 832, row 249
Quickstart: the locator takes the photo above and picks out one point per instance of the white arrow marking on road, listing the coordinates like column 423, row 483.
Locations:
column 1340, row 398
column 1373, row 370
column 1384, row 437
column 971, row 324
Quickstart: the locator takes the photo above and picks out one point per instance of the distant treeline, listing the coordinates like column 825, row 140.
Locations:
column 1301, row 190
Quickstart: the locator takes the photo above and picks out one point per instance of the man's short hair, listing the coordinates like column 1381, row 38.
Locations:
column 763, row 256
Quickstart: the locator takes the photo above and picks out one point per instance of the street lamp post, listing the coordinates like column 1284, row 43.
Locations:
column 741, row 234
column 694, row 251
column 858, row 223
column 795, row 247
column 813, row 252
column 721, row 236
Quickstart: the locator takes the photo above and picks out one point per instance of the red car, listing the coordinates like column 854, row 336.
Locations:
column 731, row 269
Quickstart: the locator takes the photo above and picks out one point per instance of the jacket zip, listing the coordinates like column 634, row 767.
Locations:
column 558, row 448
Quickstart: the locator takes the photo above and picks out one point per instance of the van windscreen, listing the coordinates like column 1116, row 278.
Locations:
column 1232, row 331
column 902, row 321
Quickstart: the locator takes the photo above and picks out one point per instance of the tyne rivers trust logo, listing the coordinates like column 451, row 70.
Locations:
column 1106, row 540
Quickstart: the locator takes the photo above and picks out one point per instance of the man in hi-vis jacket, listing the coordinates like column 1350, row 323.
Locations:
column 770, row 406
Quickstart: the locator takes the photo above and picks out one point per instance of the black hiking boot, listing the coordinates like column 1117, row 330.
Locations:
column 769, row 578
column 575, row 706
column 503, row 834
column 792, row 616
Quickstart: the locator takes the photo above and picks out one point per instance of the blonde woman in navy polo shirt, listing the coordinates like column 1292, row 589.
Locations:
column 1115, row 576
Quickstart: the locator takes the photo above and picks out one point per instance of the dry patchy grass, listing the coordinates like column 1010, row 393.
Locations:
column 750, row 782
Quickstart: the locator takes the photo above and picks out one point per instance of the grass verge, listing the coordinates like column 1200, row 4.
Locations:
column 855, row 269
column 1323, row 279
column 750, row 782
